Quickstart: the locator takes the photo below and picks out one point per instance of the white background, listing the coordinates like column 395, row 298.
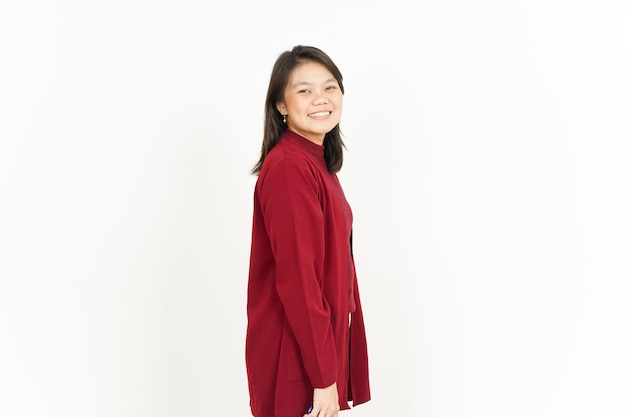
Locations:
column 486, row 168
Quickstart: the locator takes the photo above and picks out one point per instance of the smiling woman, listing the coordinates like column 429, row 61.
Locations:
column 312, row 103
column 306, row 350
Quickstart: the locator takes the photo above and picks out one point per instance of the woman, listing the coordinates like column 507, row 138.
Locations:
column 305, row 346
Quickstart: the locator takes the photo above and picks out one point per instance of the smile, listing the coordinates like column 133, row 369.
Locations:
column 319, row 114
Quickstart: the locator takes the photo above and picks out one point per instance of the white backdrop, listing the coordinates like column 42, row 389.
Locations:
column 485, row 166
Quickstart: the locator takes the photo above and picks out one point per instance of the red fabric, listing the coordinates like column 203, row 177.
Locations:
column 302, row 286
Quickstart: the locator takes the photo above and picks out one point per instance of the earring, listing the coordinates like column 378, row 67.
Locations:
column 284, row 118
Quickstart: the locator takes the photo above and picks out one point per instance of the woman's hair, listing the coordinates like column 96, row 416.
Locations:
column 274, row 125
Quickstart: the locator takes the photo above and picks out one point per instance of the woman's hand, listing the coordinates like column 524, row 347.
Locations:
column 325, row 402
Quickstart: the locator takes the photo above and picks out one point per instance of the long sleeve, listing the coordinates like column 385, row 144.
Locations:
column 290, row 202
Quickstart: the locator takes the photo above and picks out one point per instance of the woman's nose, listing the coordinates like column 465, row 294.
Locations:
column 320, row 99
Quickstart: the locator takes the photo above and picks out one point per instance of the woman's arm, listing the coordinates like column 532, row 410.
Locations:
column 290, row 203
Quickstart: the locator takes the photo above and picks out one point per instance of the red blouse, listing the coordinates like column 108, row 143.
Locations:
column 302, row 286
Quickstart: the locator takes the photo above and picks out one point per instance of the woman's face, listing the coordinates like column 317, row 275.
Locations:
column 313, row 101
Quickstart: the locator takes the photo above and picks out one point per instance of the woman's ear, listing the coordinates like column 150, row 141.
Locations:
column 282, row 109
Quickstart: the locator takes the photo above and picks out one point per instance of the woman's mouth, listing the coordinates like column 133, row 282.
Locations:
column 319, row 115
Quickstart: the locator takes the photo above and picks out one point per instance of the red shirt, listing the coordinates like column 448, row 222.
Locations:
column 302, row 286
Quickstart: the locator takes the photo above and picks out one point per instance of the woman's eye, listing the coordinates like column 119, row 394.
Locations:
column 303, row 91
column 331, row 87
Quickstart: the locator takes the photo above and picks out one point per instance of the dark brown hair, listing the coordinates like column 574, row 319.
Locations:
column 274, row 126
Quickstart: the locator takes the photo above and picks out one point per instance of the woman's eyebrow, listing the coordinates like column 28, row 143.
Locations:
column 330, row 80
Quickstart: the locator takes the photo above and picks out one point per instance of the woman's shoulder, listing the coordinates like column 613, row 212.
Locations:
column 289, row 156
column 286, row 165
